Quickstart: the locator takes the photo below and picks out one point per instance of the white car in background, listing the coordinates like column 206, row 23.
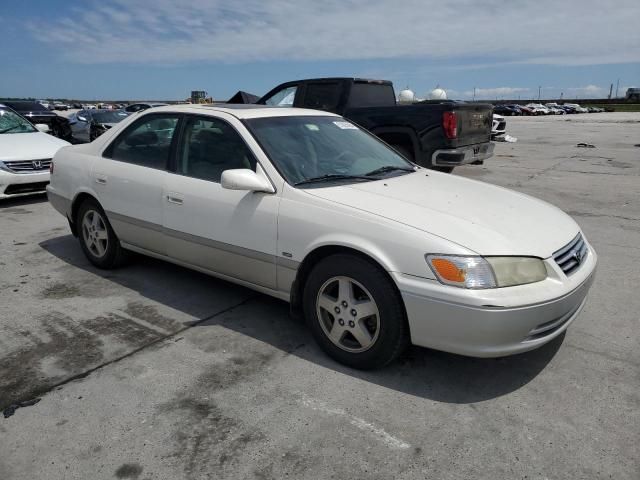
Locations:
column 25, row 154
column 538, row 109
column 498, row 126
column 578, row 108
column 375, row 251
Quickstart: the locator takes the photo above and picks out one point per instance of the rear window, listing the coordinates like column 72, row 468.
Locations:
column 322, row 96
column 371, row 95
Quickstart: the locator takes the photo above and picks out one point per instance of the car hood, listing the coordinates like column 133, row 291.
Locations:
column 484, row 218
column 29, row 146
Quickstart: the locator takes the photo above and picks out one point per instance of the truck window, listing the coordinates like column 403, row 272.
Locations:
column 371, row 95
column 283, row 98
column 322, row 96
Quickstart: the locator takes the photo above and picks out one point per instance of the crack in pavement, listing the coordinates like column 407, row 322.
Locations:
column 45, row 390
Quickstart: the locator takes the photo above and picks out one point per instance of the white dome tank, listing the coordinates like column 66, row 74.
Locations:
column 406, row 96
column 438, row 94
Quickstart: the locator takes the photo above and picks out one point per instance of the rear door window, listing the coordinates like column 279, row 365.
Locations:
column 322, row 96
column 146, row 143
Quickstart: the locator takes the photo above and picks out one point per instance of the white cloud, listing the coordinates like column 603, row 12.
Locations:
column 571, row 32
column 588, row 91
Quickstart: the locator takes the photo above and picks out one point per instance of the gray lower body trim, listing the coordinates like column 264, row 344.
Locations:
column 286, row 268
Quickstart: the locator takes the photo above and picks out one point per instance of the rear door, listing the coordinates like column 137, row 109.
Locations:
column 130, row 179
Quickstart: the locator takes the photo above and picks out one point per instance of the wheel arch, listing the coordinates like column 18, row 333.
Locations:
column 319, row 253
column 401, row 136
column 80, row 197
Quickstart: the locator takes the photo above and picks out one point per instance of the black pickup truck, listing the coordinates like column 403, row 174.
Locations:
column 438, row 134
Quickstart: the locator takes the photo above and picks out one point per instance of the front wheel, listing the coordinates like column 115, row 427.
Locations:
column 355, row 312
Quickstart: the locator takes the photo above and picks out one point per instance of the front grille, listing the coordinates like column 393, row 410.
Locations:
column 571, row 256
column 28, row 166
column 18, row 188
column 502, row 126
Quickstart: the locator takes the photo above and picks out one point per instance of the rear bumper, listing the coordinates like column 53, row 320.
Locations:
column 462, row 155
column 12, row 184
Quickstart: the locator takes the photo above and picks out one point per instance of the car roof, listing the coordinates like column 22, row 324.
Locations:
column 242, row 111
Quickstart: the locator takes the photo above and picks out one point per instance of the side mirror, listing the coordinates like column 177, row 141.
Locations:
column 43, row 127
column 245, row 179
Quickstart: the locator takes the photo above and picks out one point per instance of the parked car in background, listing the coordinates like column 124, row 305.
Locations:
column 37, row 113
column 25, row 154
column 46, row 104
column 87, row 125
column 595, row 109
column 538, row 109
column 556, row 110
column 507, row 110
column 577, row 108
column 526, row 110
column 437, row 134
column 304, row 205
column 76, row 105
column 138, row 107
column 60, row 106
column 499, row 126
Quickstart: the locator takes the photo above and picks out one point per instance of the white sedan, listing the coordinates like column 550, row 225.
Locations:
column 25, row 154
column 373, row 250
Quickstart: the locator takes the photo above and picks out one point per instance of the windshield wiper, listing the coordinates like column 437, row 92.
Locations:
column 9, row 129
column 389, row 168
column 331, row 176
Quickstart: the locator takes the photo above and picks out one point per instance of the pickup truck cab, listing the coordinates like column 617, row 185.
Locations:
column 437, row 134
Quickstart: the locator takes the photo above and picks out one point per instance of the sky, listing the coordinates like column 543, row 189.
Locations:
column 163, row 49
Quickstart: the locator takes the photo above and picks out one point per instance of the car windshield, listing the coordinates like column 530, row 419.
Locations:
column 309, row 148
column 108, row 117
column 11, row 122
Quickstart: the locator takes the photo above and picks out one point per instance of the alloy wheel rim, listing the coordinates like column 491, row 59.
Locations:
column 94, row 233
column 348, row 314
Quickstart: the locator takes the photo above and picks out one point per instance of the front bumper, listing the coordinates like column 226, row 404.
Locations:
column 13, row 184
column 462, row 155
column 483, row 328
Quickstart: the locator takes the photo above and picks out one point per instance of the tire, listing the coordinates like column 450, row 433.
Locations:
column 339, row 286
column 97, row 238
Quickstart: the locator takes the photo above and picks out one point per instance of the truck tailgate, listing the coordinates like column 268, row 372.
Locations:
column 474, row 123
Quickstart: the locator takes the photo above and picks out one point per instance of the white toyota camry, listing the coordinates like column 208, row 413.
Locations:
column 373, row 250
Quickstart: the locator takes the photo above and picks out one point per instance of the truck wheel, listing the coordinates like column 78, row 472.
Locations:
column 354, row 312
column 97, row 239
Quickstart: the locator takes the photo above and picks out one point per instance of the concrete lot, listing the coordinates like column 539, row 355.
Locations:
column 156, row 372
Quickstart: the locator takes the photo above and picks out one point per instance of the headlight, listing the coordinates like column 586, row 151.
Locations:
column 486, row 272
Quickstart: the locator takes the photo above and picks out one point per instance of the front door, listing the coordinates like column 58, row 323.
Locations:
column 129, row 180
column 229, row 232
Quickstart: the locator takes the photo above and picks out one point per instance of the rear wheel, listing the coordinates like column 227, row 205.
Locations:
column 97, row 238
column 355, row 312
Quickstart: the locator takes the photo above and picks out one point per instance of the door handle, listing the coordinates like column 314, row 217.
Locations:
column 101, row 180
column 174, row 199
